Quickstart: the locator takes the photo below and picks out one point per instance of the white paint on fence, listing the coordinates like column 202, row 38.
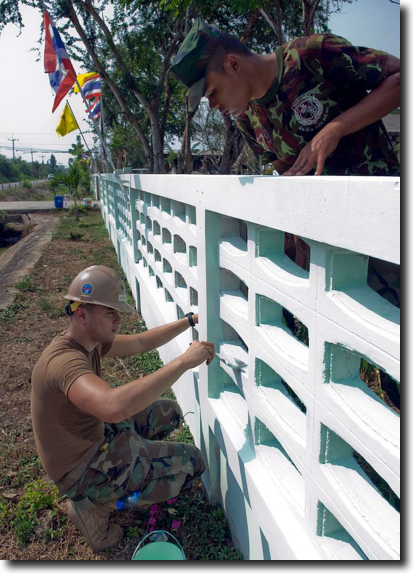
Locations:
column 299, row 450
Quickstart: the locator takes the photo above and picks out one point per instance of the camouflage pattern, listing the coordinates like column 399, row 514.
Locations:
column 190, row 64
column 134, row 457
column 319, row 77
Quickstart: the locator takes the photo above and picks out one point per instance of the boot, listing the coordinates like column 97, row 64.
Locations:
column 94, row 525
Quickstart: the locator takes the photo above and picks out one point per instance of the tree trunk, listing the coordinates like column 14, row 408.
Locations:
column 309, row 8
column 233, row 146
column 76, row 209
column 100, row 69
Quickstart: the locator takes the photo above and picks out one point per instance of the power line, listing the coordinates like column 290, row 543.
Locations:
column 35, row 150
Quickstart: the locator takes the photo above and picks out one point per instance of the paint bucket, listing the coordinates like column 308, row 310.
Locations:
column 87, row 202
column 158, row 547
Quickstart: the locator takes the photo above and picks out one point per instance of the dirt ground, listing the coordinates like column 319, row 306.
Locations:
column 33, row 520
column 18, row 259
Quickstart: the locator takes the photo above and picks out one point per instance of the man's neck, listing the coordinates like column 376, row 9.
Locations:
column 81, row 337
column 262, row 72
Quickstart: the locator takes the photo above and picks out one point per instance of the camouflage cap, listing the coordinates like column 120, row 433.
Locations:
column 190, row 64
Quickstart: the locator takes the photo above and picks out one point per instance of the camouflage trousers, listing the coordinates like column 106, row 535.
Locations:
column 134, row 457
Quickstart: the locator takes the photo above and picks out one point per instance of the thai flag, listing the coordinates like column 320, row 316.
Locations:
column 95, row 109
column 92, row 87
column 62, row 75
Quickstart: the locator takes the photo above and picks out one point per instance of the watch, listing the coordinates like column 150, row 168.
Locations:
column 190, row 319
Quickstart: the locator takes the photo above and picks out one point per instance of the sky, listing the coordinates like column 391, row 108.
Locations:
column 26, row 97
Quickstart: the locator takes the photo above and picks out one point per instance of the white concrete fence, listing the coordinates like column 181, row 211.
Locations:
column 299, row 450
column 19, row 183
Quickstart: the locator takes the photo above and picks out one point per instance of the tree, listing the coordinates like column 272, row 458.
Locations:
column 132, row 44
column 53, row 163
column 74, row 180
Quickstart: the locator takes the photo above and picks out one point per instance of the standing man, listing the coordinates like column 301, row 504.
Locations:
column 306, row 107
column 98, row 443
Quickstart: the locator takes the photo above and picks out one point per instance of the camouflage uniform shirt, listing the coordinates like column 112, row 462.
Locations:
column 318, row 78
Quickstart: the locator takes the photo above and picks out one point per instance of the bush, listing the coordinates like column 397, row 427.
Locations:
column 26, row 183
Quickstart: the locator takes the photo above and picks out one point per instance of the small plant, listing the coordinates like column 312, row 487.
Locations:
column 38, row 496
column 27, row 184
column 52, row 311
column 26, row 284
column 76, row 236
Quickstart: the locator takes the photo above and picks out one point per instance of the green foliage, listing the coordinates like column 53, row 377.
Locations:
column 26, row 284
column 26, row 183
column 19, row 169
column 38, row 496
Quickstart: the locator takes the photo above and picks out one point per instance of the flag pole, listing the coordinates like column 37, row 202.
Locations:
column 95, row 124
column 97, row 130
column 70, row 107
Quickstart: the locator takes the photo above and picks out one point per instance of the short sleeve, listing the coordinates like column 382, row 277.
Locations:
column 346, row 64
column 63, row 370
column 260, row 153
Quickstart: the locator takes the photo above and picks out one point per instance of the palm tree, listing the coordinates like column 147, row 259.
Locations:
column 74, row 180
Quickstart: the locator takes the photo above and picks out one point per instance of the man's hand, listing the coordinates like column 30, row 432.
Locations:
column 195, row 318
column 317, row 150
column 198, row 352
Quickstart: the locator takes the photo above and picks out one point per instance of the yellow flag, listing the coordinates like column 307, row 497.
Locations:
column 82, row 79
column 67, row 122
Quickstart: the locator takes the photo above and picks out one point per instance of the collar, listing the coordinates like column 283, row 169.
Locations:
column 271, row 92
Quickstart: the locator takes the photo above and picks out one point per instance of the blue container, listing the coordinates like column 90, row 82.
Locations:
column 58, row 201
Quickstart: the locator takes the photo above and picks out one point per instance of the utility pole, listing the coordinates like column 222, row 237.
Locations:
column 31, row 152
column 13, row 139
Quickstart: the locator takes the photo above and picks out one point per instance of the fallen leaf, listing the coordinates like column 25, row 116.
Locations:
column 10, row 495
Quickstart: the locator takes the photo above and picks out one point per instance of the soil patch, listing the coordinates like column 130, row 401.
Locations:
column 18, row 259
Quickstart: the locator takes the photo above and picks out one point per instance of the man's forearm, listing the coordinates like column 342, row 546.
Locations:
column 136, row 396
column 377, row 104
column 128, row 345
column 159, row 336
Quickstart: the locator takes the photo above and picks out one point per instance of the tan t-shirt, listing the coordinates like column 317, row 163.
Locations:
column 64, row 434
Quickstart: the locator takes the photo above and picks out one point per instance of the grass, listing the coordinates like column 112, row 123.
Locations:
column 33, row 519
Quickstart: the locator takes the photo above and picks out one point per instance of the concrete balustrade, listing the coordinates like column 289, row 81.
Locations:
column 299, row 450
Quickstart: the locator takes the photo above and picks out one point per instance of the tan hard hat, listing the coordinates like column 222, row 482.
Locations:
column 99, row 285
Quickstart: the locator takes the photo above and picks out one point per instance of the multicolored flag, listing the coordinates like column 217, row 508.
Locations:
column 82, row 79
column 92, row 87
column 94, row 112
column 57, row 62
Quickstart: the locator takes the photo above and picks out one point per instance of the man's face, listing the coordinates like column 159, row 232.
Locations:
column 227, row 92
column 102, row 323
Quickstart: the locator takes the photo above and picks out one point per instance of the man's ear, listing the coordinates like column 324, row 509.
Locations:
column 80, row 314
column 232, row 63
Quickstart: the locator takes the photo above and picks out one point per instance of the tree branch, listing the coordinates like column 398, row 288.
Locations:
column 113, row 87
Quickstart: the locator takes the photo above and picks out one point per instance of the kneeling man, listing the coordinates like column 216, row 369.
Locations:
column 99, row 443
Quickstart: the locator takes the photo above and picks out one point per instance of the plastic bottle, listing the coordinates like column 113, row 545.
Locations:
column 128, row 501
